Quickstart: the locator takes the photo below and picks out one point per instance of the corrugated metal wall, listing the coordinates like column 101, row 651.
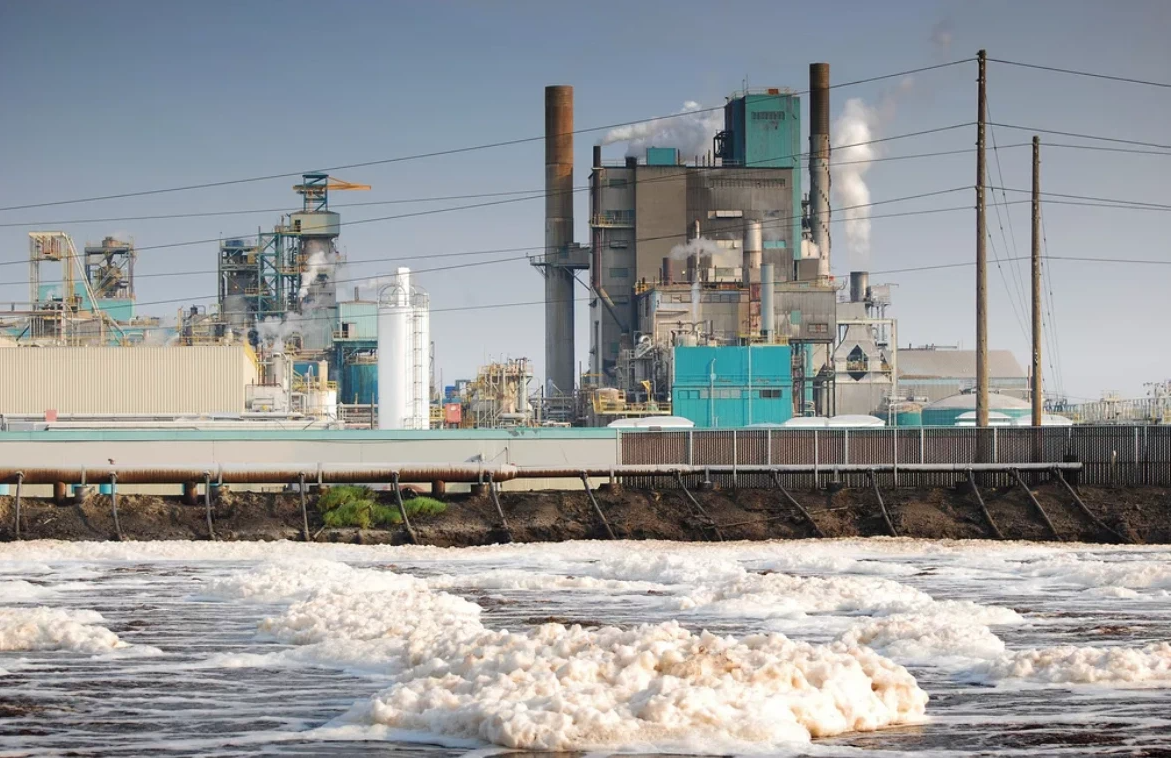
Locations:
column 1110, row 455
column 142, row 380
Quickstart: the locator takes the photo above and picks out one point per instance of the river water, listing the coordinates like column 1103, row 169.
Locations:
column 897, row 647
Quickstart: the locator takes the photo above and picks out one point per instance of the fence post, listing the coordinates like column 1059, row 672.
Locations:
column 1146, row 457
column 816, row 460
column 895, row 434
column 846, row 445
column 1134, row 466
column 690, row 448
column 768, row 446
column 735, row 459
column 995, row 446
column 922, row 445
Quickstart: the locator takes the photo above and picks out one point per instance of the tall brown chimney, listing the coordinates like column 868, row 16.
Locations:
column 559, row 347
column 819, row 157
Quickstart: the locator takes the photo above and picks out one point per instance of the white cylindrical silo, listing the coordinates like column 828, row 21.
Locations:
column 421, row 359
column 395, row 353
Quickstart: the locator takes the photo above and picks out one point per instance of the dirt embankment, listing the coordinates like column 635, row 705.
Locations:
column 1139, row 515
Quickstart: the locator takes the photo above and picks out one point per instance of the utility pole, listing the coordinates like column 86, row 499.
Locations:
column 1037, row 396
column 981, row 253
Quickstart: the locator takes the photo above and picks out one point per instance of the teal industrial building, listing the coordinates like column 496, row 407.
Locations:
column 727, row 387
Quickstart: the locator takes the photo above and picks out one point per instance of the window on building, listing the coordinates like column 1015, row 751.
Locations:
column 619, row 244
column 619, row 273
column 616, row 183
column 613, row 348
column 819, row 328
column 771, row 394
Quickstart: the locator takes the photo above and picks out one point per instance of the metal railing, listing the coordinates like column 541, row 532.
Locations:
column 1110, row 455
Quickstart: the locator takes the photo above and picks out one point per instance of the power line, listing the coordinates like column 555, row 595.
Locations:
column 1104, row 148
column 1019, row 292
column 1114, row 200
column 450, row 151
column 433, row 211
column 1090, row 74
column 1081, row 136
column 406, row 201
column 781, row 222
column 1054, row 354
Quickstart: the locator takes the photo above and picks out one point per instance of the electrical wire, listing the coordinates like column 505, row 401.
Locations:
column 1104, row 148
column 1078, row 135
column 1135, row 203
column 433, row 211
column 1093, row 75
column 1055, row 363
column 450, row 151
column 1019, row 292
column 779, row 222
column 536, row 194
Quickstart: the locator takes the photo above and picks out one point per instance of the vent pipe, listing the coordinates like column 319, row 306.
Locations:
column 859, row 286
column 559, row 347
column 819, row 156
column 753, row 252
column 768, row 311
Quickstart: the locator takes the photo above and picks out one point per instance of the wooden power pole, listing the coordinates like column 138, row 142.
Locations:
column 1037, row 384
column 981, row 254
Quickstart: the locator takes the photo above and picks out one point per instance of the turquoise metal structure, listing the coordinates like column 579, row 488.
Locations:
column 729, row 387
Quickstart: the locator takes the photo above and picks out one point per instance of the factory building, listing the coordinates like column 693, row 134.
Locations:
column 718, row 250
column 721, row 387
column 647, row 209
column 933, row 373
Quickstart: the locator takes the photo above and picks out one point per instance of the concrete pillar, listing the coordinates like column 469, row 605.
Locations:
column 190, row 493
column 438, row 488
column 60, row 493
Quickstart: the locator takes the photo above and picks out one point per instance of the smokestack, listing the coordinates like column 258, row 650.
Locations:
column 819, row 211
column 668, row 273
column 768, row 312
column 753, row 252
column 859, row 286
column 559, row 347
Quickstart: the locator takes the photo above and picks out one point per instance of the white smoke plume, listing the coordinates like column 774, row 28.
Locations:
column 809, row 250
column 691, row 131
column 320, row 263
column 850, row 162
column 941, row 37
column 275, row 332
column 722, row 257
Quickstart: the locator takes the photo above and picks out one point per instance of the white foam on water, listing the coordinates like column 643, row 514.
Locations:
column 1070, row 664
column 1071, row 568
column 928, row 639
column 556, row 687
column 516, row 579
column 1120, row 593
column 41, row 628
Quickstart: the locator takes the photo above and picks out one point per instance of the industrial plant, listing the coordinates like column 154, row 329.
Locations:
column 712, row 304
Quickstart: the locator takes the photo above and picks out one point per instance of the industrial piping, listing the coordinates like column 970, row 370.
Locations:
column 559, row 347
column 328, row 473
column 819, row 156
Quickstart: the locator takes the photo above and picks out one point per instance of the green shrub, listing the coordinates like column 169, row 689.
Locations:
column 355, row 506
column 339, row 495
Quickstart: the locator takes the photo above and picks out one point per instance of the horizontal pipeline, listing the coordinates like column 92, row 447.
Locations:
column 249, row 473
column 331, row 473
column 535, row 472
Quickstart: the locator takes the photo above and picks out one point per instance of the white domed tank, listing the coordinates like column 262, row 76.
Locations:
column 948, row 411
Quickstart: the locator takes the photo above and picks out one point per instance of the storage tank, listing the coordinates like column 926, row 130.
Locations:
column 947, row 412
column 395, row 375
column 360, row 380
column 903, row 414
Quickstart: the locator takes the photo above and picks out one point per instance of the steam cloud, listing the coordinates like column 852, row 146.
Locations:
column 722, row 257
column 851, row 160
column 691, row 131
column 319, row 264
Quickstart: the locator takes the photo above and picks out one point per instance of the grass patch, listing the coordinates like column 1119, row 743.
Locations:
column 356, row 506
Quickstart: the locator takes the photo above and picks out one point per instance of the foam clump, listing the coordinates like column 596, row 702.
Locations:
column 555, row 687
column 927, row 638
column 44, row 628
column 1083, row 665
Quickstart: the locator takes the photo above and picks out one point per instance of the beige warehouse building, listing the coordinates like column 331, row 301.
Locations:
column 126, row 380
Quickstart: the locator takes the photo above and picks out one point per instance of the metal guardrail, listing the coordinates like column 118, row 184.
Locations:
column 1109, row 456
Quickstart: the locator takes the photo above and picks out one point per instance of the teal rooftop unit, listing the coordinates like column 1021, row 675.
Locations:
column 729, row 387
column 662, row 156
column 762, row 129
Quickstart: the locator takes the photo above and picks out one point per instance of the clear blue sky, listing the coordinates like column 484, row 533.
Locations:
column 109, row 97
